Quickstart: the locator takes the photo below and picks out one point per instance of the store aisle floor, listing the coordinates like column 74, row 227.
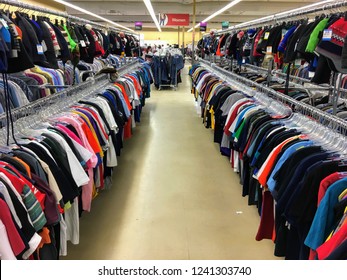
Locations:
column 173, row 196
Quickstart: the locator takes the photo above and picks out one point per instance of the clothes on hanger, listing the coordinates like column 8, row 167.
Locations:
column 37, row 42
column 166, row 68
column 296, row 180
column 18, row 97
column 60, row 166
column 292, row 42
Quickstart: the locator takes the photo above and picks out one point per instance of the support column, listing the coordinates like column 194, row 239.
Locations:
column 194, row 22
column 178, row 41
column 183, row 32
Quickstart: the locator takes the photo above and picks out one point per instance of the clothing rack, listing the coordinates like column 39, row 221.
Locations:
column 86, row 21
column 170, row 52
column 275, row 18
column 332, row 122
column 42, row 103
column 34, row 8
column 57, row 13
column 283, row 77
column 333, row 93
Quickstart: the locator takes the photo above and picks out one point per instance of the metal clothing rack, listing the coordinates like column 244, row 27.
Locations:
column 40, row 104
column 34, row 8
column 334, row 93
column 330, row 121
column 275, row 18
column 160, row 84
column 57, row 13
column 171, row 52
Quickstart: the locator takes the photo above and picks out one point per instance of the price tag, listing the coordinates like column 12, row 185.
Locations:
column 298, row 62
column 327, row 34
column 4, row 23
column 14, row 53
column 44, row 46
column 83, row 44
column 284, row 31
column 39, row 49
column 310, row 74
column 266, row 35
column 269, row 49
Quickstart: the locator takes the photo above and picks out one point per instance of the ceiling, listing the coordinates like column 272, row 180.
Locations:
column 129, row 11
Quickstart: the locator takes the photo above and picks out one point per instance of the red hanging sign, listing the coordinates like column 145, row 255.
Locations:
column 174, row 19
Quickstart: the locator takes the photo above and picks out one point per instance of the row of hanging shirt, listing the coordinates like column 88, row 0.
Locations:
column 307, row 93
column 314, row 54
column 37, row 52
column 38, row 41
column 286, row 42
column 29, row 85
column 294, row 174
column 59, row 164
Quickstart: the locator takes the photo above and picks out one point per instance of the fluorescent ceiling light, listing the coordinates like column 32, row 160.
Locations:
column 92, row 14
column 227, row 7
column 151, row 12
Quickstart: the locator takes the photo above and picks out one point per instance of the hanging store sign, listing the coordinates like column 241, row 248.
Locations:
column 174, row 19
column 138, row 25
column 203, row 26
column 225, row 25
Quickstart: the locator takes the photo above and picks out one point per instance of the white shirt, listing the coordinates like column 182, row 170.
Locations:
column 6, row 252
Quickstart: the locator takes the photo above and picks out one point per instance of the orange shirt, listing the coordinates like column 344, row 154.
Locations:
column 25, row 165
column 91, row 135
column 126, row 97
column 270, row 161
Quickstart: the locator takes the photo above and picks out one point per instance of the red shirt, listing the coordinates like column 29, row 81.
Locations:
column 16, row 241
column 19, row 182
column 233, row 116
column 326, row 248
column 327, row 182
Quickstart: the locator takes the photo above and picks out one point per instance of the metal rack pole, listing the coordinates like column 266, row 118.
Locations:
column 329, row 120
column 297, row 79
column 67, row 92
column 56, row 13
column 277, row 17
column 34, row 8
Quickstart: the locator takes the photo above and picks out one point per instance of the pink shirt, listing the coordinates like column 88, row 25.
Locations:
column 78, row 126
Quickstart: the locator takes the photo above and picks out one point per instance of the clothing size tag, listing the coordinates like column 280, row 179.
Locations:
column 14, row 53
column 44, row 46
column 266, row 35
column 39, row 49
column 327, row 34
column 83, row 44
column 298, row 62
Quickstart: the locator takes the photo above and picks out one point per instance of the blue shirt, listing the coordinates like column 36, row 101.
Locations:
column 323, row 221
column 271, row 182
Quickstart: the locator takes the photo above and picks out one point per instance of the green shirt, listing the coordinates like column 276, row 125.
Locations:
column 313, row 41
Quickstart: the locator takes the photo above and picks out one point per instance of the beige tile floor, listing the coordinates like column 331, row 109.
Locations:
column 173, row 196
